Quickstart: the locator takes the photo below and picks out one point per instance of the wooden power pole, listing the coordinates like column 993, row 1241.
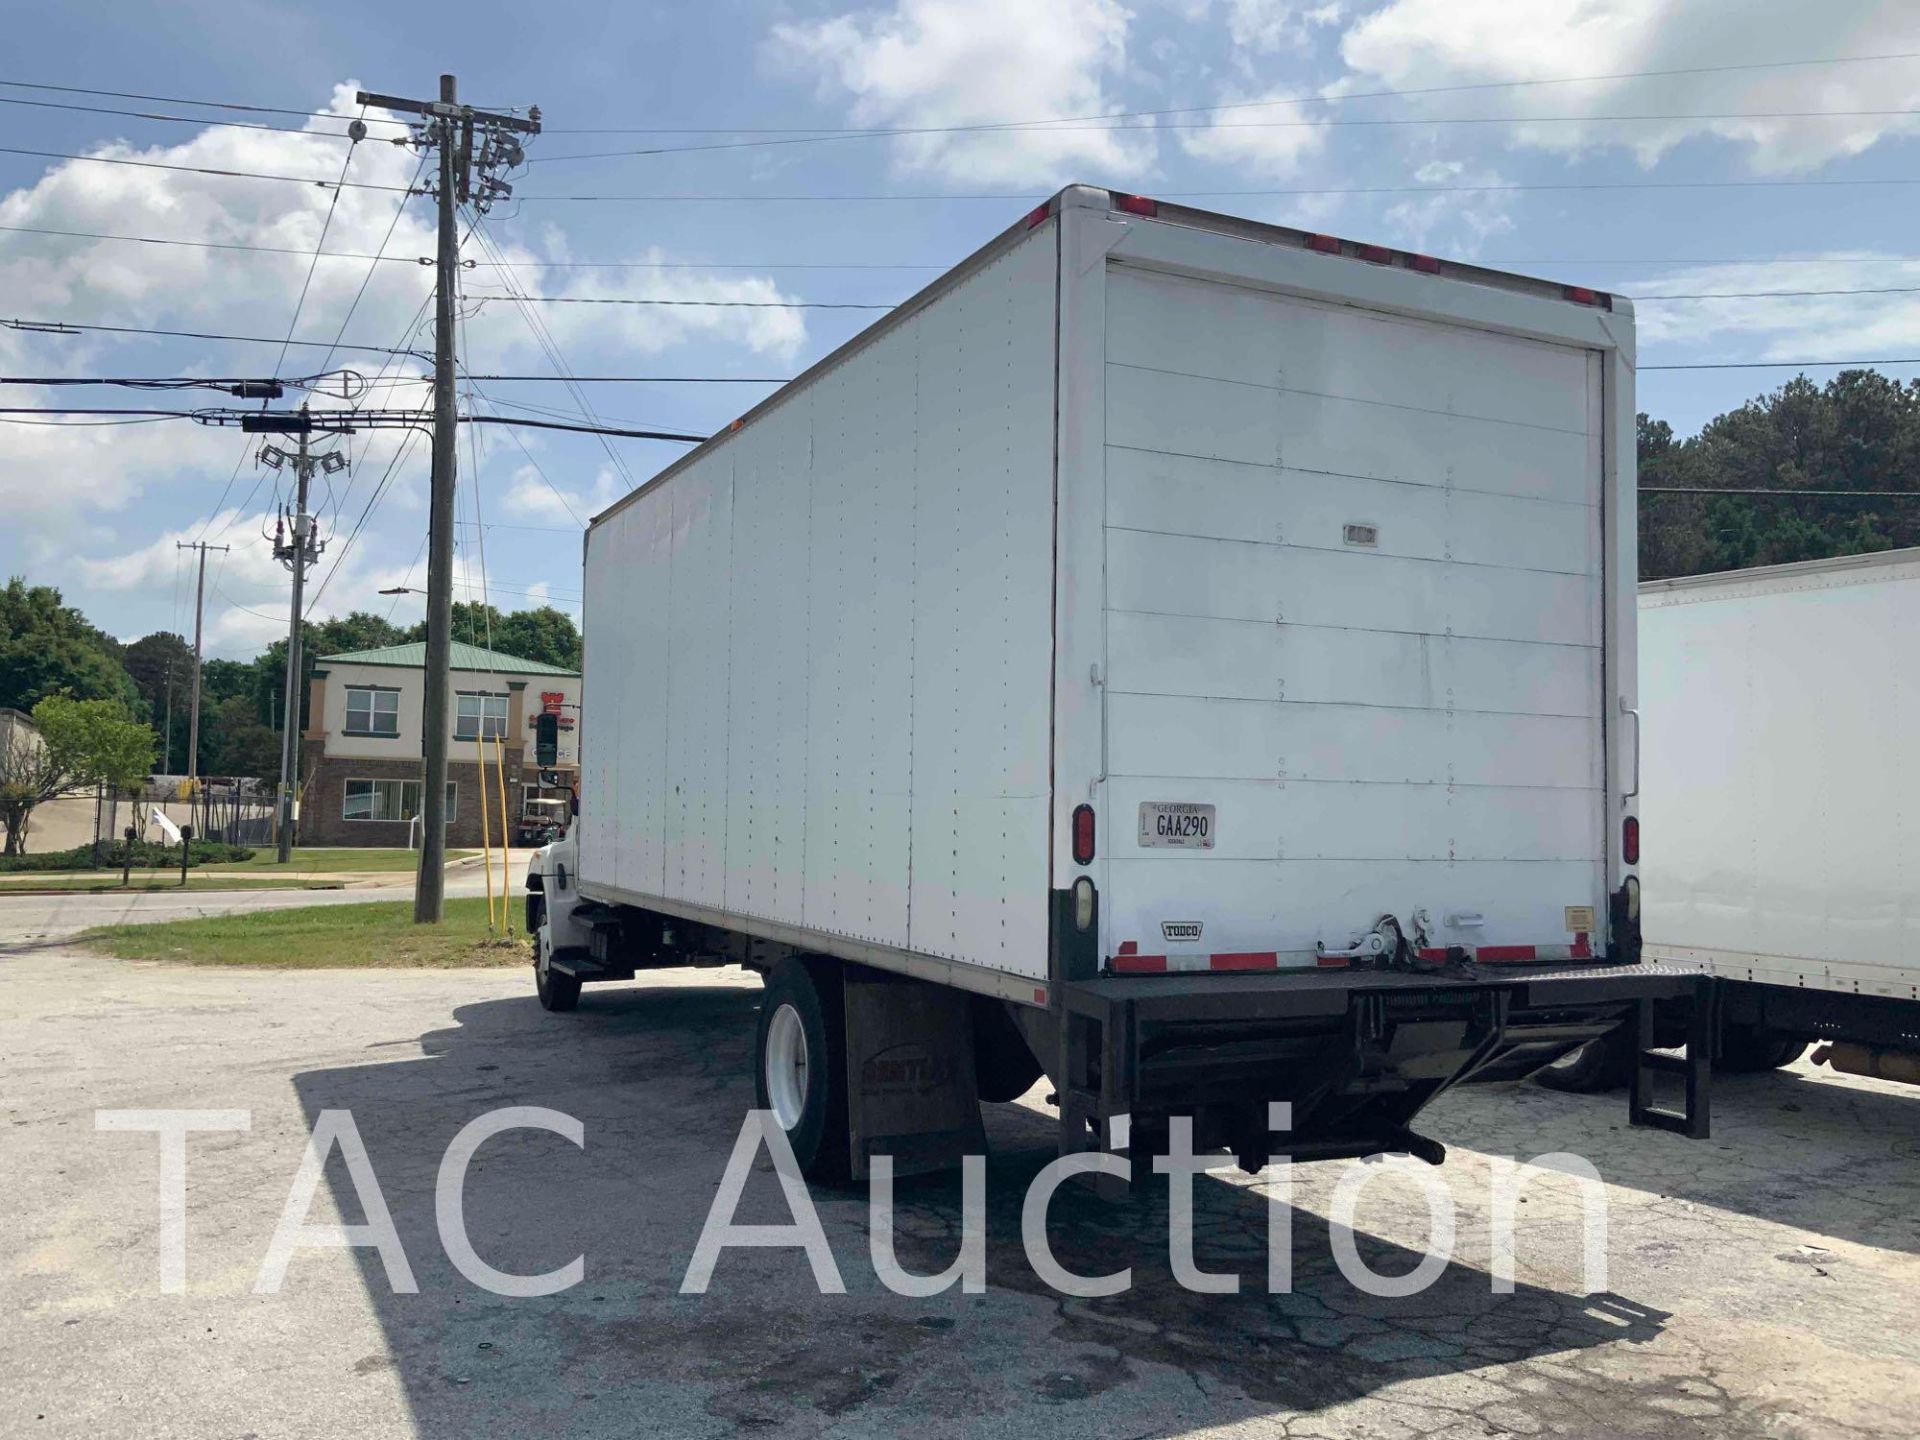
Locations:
column 474, row 147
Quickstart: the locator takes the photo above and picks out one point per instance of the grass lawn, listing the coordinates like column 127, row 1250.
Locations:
column 40, row 881
column 324, row 937
column 326, row 860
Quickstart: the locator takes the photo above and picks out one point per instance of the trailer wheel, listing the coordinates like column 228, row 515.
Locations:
column 800, row 1069
column 557, row 992
column 1603, row 1064
column 1749, row 1049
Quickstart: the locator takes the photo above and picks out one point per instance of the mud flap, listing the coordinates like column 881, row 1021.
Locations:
column 911, row 1090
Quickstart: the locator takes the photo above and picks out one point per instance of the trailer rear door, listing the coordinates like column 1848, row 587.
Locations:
column 1354, row 608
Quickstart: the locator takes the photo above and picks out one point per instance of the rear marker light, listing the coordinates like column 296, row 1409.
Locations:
column 1581, row 295
column 1038, row 217
column 1083, row 835
column 1378, row 254
column 1630, row 840
column 1136, row 204
column 1325, row 244
column 1425, row 264
column 1083, row 904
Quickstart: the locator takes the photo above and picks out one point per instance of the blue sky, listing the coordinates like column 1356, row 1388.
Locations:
column 97, row 510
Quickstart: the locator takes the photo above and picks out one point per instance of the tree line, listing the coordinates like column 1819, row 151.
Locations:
column 48, row 648
column 1859, row 432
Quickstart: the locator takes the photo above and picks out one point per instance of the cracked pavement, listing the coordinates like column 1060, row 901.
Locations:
column 1760, row 1283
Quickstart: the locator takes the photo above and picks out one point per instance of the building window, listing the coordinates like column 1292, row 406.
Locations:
column 390, row 800
column 479, row 716
column 373, row 711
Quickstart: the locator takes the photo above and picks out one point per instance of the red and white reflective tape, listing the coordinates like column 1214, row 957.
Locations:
column 1128, row 960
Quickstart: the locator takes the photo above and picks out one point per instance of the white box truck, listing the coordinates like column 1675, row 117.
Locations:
column 1187, row 657
column 1783, row 804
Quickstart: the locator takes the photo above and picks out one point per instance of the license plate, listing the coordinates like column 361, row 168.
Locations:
column 1175, row 826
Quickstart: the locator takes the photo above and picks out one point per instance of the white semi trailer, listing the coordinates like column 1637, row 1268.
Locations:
column 1783, row 804
column 1187, row 657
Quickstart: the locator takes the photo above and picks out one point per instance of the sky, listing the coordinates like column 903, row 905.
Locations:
column 1655, row 148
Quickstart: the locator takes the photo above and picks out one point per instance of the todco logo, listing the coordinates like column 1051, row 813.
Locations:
column 1179, row 929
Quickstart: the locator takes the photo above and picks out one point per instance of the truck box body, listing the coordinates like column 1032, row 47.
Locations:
column 1157, row 594
column 1781, row 794
column 1310, row 575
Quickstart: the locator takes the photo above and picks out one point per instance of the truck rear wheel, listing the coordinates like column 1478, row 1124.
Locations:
column 1603, row 1064
column 1748, row 1050
column 800, row 1069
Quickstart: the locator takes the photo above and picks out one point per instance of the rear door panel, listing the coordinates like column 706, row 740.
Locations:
column 1405, row 715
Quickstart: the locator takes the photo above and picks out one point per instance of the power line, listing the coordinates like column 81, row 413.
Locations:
column 200, row 169
column 1774, row 294
column 877, row 265
column 1783, row 364
column 1161, row 126
column 232, row 105
column 1312, row 99
column 696, row 304
column 180, row 119
column 1757, row 490
column 60, row 327
column 1030, row 196
column 526, row 423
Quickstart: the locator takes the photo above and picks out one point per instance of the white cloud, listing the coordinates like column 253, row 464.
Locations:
column 1421, row 43
column 980, row 62
column 530, row 497
column 1266, row 26
column 1791, row 327
column 59, row 483
column 1270, row 141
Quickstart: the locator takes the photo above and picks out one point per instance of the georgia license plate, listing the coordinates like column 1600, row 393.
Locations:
column 1176, row 826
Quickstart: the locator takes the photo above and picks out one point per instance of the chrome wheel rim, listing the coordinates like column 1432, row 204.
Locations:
column 786, row 1067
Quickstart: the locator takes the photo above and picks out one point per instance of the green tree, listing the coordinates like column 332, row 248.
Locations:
column 33, row 770
column 543, row 633
column 1859, row 432
column 97, row 743
column 48, row 648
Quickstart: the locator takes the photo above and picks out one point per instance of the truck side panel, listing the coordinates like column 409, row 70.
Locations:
column 830, row 643
column 1782, row 844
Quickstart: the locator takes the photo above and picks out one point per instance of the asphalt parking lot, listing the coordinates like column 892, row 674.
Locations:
column 1760, row 1283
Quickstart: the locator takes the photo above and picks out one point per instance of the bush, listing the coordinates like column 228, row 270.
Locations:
column 146, row 856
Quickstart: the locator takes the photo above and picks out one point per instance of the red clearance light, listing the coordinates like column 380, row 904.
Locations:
column 1581, row 295
column 1630, row 840
column 1037, row 216
column 1325, row 244
column 1083, row 835
column 1378, row 254
column 1136, row 204
column 1425, row 264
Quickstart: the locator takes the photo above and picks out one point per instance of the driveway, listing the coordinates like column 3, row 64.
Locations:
column 1760, row 1283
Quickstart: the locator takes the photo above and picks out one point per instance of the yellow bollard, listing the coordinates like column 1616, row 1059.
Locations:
column 486, row 838
column 506, row 852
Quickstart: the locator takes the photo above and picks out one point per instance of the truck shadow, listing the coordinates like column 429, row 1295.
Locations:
column 1832, row 1156
column 660, row 1077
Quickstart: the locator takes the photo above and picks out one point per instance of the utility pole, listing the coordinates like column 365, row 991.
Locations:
column 467, row 176
column 193, row 714
column 297, row 545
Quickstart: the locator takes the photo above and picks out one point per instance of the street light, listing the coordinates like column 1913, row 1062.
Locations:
column 402, row 590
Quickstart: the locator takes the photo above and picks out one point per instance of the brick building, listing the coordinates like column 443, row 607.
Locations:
column 361, row 750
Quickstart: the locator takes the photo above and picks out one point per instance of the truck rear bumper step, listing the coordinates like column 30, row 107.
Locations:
column 1357, row 1054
